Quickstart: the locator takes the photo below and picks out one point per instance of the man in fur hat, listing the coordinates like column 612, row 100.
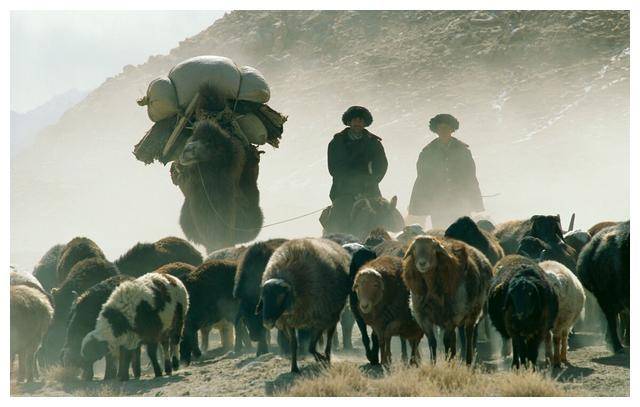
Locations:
column 357, row 163
column 446, row 187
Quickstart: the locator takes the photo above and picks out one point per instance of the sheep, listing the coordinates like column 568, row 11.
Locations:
column 228, row 253
column 448, row 280
column 30, row 315
column 522, row 306
column 603, row 269
column 409, row 233
column 383, row 244
column 246, row 289
column 82, row 320
column 342, row 238
column 571, row 299
column 577, row 239
column 539, row 250
column 82, row 276
column 545, row 228
column 486, row 225
column 79, row 248
column 466, row 230
column 305, row 286
column 210, row 288
column 46, row 269
column 593, row 230
column 151, row 310
column 144, row 258
column 383, row 301
column 17, row 278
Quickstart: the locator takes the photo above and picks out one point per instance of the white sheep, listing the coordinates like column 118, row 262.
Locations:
column 151, row 310
column 571, row 298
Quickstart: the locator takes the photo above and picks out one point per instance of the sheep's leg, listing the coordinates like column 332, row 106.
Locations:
column 166, row 356
column 152, row 353
column 470, row 334
column 450, row 344
column 372, row 356
column 313, row 345
column 237, row 348
column 87, row 371
column 415, row 352
column 327, row 348
column 293, row 344
column 110, row 368
column 30, row 362
column 403, row 350
column 263, row 346
column 427, row 328
column 283, row 342
column 124, row 361
column 558, row 341
column 613, row 331
column 548, row 340
column 346, row 323
column 565, row 347
column 204, row 337
column 386, row 350
column 22, row 356
column 135, row 361
column 226, row 335
column 516, row 345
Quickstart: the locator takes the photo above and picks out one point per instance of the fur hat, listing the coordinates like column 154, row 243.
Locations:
column 443, row 118
column 357, row 111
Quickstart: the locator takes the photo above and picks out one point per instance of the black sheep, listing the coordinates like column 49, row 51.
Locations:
column 603, row 269
column 539, row 250
column 210, row 288
column 82, row 320
column 371, row 346
column 82, row 276
column 545, row 228
column 46, row 269
column 522, row 306
column 466, row 230
column 79, row 248
column 144, row 258
column 246, row 289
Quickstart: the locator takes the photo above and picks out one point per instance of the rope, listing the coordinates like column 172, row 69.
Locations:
column 222, row 220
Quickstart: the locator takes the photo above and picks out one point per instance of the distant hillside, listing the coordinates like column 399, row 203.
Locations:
column 542, row 97
column 26, row 126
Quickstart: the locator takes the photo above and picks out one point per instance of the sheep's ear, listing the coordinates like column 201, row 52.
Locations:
column 409, row 251
column 259, row 307
column 355, row 287
column 394, row 201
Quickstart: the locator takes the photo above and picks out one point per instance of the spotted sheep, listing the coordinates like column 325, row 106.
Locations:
column 149, row 310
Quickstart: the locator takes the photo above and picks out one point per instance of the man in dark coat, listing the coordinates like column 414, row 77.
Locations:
column 357, row 163
column 446, row 187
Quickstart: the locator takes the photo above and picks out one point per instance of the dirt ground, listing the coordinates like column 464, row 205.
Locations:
column 594, row 371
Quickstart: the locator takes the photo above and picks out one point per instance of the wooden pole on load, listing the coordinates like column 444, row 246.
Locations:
column 181, row 123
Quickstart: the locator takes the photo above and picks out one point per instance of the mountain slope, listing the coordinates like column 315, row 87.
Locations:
column 542, row 97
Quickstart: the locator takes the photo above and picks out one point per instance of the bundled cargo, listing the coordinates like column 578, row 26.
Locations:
column 171, row 104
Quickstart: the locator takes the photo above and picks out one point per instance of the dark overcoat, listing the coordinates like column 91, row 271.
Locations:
column 357, row 166
column 446, row 184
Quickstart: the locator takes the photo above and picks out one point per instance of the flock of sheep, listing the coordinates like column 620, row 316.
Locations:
column 526, row 279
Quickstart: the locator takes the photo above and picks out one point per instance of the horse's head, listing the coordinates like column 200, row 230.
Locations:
column 370, row 213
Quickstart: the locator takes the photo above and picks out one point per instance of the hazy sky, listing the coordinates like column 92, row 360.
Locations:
column 55, row 51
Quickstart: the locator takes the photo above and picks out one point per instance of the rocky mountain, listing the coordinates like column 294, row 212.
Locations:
column 26, row 126
column 542, row 97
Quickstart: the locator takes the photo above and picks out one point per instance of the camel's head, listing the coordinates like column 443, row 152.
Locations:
column 208, row 142
column 370, row 213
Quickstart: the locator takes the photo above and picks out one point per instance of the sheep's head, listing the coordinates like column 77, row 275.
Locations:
column 523, row 299
column 208, row 142
column 546, row 227
column 463, row 227
column 369, row 288
column 93, row 347
column 532, row 248
column 276, row 298
column 424, row 252
column 409, row 233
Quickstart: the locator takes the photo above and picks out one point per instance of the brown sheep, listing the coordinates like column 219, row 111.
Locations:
column 383, row 300
column 30, row 314
column 593, row 230
column 448, row 280
column 79, row 248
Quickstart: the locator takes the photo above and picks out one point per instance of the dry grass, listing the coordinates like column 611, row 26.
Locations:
column 451, row 379
column 60, row 374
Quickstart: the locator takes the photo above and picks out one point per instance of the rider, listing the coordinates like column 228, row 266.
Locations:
column 357, row 163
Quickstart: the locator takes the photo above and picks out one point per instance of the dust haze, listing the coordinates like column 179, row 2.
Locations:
column 542, row 99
